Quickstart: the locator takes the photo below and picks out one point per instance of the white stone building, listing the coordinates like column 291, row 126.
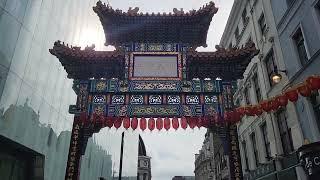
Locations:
column 267, row 143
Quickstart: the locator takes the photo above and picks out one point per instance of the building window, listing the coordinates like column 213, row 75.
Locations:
column 285, row 132
column 255, row 149
column 244, row 16
column 264, row 131
column 257, row 87
column 247, row 95
column 270, row 65
column 301, row 48
column 317, row 6
column 262, row 24
column 236, row 33
column 244, row 147
column 230, row 45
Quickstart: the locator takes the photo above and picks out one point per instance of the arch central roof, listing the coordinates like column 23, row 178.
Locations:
column 178, row 27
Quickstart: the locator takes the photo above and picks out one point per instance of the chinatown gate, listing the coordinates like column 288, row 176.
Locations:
column 155, row 79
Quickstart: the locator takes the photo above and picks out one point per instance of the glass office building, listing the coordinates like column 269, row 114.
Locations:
column 35, row 93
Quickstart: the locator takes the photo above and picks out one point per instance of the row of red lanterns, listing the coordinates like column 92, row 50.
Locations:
column 305, row 89
column 152, row 123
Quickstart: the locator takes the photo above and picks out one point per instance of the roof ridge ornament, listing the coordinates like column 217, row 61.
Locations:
column 133, row 11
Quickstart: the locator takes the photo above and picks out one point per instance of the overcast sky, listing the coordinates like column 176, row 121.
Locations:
column 172, row 152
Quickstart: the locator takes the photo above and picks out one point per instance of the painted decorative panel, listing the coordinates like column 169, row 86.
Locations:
column 155, row 99
column 99, row 99
column 136, row 99
column 156, row 86
column 118, row 99
column 173, row 99
column 192, row 99
column 210, row 99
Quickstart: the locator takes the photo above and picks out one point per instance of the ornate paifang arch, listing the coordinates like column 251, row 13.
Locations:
column 122, row 88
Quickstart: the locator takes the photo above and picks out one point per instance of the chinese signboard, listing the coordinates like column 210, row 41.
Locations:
column 234, row 154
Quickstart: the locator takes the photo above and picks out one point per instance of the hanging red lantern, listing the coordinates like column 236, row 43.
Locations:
column 313, row 82
column 227, row 116
column 249, row 111
column 134, row 123
column 241, row 110
column 283, row 100
column 192, row 121
column 235, row 116
column 151, row 124
column 175, row 123
column 183, row 123
column 266, row 106
column 126, row 122
column 166, row 123
column 199, row 122
column 292, row 95
column 109, row 121
column 275, row 105
column 143, row 124
column 206, row 121
column 159, row 123
column 304, row 90
column 258, row 110
column 117, row 122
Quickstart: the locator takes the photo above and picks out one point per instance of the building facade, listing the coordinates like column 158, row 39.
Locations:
column 204, row 162
column 298, row 24
column 183, row 178
column 211, row 162
column 35, row 93
column 268, row 143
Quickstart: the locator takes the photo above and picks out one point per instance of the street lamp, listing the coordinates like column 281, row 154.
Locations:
column 276, row 76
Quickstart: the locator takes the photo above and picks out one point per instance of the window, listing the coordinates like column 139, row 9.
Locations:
column 257, row 87
column 264, row 131
column 244, row 16
column 317, row 6
column 254, row 147
column 236, row 33
column 285, row 132
column 262, row 24
column 301, row 48
column 247, row 96
column 270, row 65
column 244, row 147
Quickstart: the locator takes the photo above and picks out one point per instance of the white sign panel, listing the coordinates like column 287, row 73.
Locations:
column 155, row 66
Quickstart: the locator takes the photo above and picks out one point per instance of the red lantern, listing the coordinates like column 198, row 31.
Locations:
column 166, row 123
column 151, row 124
column 109, row 121
column 266, row 106
column 175, row 123
column 313, row 82
column 304, row 90
column 283, row 100
column 117, row 122
column 159, row 123
column 235, row 116
column 275, row 105
column 199, row 122
column 249, row 111
column 258, row 110
column 292, row 95
column 241, row 111
column 143, row 124
column 227, row 116
column 183, row 123
column 134, row 123
column 192, row 121
column 206, row 121
column 126, row 122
